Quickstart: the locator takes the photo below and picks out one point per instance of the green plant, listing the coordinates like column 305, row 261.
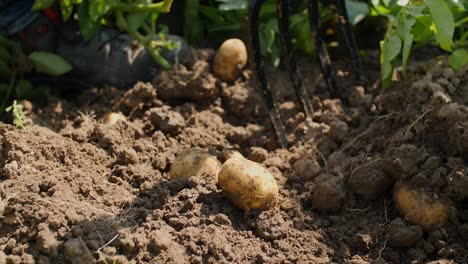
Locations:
column 15, row 65
column 137, row 17
column 227, row 18
column 19, row 118
column 417, row 23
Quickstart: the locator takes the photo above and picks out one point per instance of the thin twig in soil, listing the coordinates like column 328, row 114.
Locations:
column 108, row 243
column 325, row 163
column 416, row 121
column 384, row 245
column 357, row 209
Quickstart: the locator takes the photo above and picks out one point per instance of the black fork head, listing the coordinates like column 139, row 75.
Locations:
column 257, row 63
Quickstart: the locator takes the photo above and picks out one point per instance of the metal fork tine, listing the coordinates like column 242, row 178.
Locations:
column 324, row 59
column 294, row 73
column 258, row 71
column 350, row 40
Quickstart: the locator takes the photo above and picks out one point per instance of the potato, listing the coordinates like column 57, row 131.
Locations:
column 195, row 162
column 247, row 184
column 419, row 208
column 230, row 59
column 113, row 118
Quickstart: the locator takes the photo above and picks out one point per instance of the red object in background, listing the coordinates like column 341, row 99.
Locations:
column 51, row 14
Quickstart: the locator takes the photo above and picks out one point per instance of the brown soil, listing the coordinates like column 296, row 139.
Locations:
column 76, row 190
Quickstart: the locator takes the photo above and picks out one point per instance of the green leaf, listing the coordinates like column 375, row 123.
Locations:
column 357, row 11
column 67, row 9
column 267, row 36
column 390, row 48
column 422, row 29
column 99, row 8
column 49, row 63
column 404, row 24
column 136, row 20
column 301, row 34
column 88, row 27
column 443, row 21
column 407, row 43
column 42, row 4
column 458, row 58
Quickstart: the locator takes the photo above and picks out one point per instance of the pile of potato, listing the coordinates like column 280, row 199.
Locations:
column 247, row 184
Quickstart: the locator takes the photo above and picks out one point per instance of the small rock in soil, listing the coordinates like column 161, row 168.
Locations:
column 166, row 120
column 402, row 235
column 77, row 252
column 257, row 154
column 312, row 130
column 141, row 94
column 338, row 131
column 10, row 170
column 328, row 193
column 370, row 182
column 47, row 243
column 307, row 168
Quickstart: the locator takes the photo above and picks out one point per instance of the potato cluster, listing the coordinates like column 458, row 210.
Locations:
column 247, row 184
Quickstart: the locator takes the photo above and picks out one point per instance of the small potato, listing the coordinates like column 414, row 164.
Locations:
column 419, row 208
column 247, row 184
column 230, row 59
column 195, row 162
column 113, row 118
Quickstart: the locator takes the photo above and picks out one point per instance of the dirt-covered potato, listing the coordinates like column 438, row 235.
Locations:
column 247, row 184
column 230, row 59
column 195, row 162
column 419, row 208
column 113, row 118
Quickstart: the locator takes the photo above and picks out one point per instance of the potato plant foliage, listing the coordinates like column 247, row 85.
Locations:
column 414, row 24
column 137, row 17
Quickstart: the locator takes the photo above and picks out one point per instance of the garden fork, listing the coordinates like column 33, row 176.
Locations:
column 294, row 73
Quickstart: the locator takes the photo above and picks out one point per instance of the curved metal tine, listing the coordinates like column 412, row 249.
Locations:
column 350, row 40
column 291, row 65
column 258, row 70
column 324, row 59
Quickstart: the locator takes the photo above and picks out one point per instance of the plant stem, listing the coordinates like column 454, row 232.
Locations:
column 461, row 21
column 154, row 53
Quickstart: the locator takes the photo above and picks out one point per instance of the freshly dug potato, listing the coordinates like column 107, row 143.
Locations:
column 113, row 118
column 195, row 162
column 419, row 208
column 230, row 59
column 247, row 184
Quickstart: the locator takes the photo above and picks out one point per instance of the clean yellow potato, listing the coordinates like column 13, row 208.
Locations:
column 113, row 118
column 247, row 184
column 195, row 162
column 230, row 59
column 419, row 208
